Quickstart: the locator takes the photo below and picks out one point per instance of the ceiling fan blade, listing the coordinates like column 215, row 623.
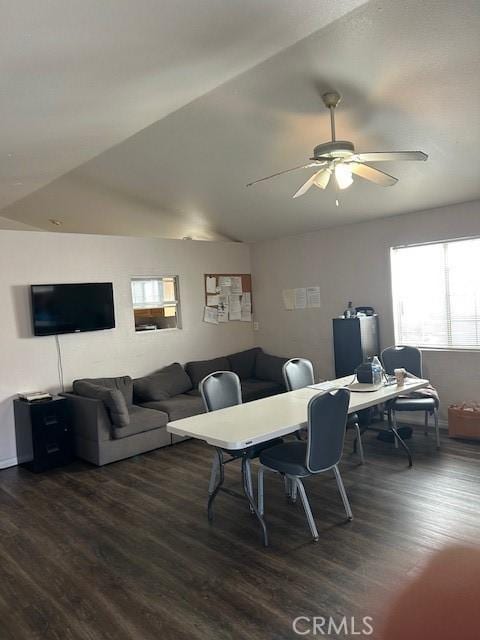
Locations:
column 388, row 156
column 279, row 173
column 323, row 178
column 306, row 185
column 374, row 175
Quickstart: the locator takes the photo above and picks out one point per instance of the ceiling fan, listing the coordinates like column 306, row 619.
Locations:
column 338, row 158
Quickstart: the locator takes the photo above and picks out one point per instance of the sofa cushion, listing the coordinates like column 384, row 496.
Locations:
column 198, row 369
column 141, row 420
column 122, row 383
column 113, row 400
column 269, row 367
column 181, row 406
column 243, row 362
column 162, row 384
column 253, row 389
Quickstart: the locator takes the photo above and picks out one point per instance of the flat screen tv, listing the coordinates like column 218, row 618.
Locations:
column 72, row 308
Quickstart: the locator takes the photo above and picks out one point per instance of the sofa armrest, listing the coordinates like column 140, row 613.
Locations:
column 90, row 417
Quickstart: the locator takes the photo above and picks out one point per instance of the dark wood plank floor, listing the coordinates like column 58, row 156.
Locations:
column 125, row 551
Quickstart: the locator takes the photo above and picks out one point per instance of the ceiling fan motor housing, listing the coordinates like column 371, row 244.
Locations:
column 336, row 149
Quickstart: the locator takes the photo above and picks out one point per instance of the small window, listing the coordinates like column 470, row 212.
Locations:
column 155, row 303
column 436, row 294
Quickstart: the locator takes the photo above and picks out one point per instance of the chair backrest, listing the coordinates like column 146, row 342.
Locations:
column 327, row 419
column 220, row 389
column 297, row 374
column 409, row 358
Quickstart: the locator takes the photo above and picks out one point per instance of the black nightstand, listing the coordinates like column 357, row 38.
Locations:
column 44, row 433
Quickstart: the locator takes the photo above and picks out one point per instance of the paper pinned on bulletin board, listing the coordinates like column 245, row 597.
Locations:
column 246, row 307
column 235, row 312
column 213, row 301
column 211, row 284
column 210, row 315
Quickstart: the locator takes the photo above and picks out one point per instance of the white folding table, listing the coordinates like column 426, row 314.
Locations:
column 236, row 429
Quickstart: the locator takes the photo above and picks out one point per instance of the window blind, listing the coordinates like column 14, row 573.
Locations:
column 154, row 292
column 436, row 294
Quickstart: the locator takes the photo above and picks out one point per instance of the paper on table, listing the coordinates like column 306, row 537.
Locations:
column 313, row 297
column 300, row 298
column 211, row 284
column 288, row 298
column 210, row 315
column 213, row 301
column 236, row 285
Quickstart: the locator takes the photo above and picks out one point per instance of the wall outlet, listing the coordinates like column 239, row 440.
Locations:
column 256, row 326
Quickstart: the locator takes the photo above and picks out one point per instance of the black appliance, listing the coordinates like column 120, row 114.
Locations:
column 355, row 340
column 43, row 433
column 72, row 308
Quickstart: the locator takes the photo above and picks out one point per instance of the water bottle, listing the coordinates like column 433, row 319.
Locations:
column 377, row 371
column 349, row 311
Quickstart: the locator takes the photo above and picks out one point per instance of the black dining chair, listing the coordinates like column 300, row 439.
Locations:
column 327, row 417
column 220, row 390
column 297, row 374
column 409, row 358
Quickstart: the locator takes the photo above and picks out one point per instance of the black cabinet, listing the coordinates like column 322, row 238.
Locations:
column 354, row 340
column 44, row 435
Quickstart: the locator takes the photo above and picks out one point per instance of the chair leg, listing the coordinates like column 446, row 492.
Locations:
column 358, row 442
column 426, row 423
column 287, row 485
column 260, row 506
column 293, row 489
column 437, row 429
column 306, row 506
column 343, row 493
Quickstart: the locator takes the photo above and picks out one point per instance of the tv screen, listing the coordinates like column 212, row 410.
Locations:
column 71, row 308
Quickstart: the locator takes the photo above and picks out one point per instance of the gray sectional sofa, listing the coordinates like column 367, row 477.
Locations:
column 115, row 418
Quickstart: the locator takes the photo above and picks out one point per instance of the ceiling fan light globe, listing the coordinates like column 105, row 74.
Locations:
column 343, row 176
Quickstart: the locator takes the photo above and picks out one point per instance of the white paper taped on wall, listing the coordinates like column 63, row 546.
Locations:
column 300, row 298
column 313, row 297
column 288, row 299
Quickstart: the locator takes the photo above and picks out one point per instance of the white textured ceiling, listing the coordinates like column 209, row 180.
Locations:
column 79, row 76
column 408, row 72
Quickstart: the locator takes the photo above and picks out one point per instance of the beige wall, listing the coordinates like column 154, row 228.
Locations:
column 29, row 363
column 352, row 263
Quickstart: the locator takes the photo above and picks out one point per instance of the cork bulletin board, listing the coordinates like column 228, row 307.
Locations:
column 228, row 297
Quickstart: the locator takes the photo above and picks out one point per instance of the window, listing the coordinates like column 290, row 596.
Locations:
column 436, row 294
column 155, row 303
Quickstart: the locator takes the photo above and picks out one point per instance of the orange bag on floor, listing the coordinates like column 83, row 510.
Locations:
column 464, row 421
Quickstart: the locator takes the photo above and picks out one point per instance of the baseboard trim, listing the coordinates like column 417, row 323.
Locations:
column 8, row 462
